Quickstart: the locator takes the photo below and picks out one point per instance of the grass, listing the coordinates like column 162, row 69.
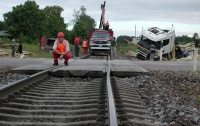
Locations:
column 126, row 47
column 36, row 53
column 34, row 49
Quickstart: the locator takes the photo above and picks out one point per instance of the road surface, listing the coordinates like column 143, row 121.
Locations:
column 148, row 65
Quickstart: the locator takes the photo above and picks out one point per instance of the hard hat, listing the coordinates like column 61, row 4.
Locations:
column 60, row 34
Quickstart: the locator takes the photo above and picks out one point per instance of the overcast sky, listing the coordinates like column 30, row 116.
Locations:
column 123, row 15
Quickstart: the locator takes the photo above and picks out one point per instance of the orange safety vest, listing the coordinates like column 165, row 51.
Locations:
column 107, row 24
column 84, row 44
column 61, row 47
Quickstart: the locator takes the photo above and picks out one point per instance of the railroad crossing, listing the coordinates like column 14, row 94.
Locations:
column 87, row 92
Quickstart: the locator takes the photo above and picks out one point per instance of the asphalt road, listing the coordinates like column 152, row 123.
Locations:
column 167, row 65
column 149, row 65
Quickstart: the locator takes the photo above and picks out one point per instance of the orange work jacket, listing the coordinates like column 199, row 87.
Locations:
column 61, row 47
column 84, row 44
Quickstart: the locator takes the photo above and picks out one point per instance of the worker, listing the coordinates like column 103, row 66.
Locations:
column 178, row 51
column 107, row 26
column 1, row 41
column 76, row 43
column 185, row 53
column 42, row 42
column 13, row 45
column 19, row 46
column 84, row 45
column 61, row 49
column 152, row 53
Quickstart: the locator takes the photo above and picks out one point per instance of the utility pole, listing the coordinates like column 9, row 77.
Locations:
column 135, row 31
column 195, row 54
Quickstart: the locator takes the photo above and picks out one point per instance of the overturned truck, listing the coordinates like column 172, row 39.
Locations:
column 162, row 39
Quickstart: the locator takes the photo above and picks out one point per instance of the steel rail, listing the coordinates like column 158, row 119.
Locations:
column 20, row 84
column 111, row 103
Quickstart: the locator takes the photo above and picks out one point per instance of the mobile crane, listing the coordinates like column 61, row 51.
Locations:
column 100, row 38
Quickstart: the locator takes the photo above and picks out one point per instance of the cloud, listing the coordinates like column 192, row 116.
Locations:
column 174, row 11
column 125, row 10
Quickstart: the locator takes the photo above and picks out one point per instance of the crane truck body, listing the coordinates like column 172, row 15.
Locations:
column 100, row 39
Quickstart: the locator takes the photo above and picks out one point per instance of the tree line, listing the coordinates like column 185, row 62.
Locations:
column 29, row 23
column 184, row 39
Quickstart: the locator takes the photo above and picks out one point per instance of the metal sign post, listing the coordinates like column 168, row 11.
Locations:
column 195, row 54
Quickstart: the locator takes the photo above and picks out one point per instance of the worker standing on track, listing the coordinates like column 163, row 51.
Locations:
column 84, row 45
column 76, row 43
column 61, row 49
column 107, row 25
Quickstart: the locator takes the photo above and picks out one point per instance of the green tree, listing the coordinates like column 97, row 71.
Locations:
column 24, row 18
column 120, row 39
column 194, row 36
column 2, row 25
column 80, row 30
column 84, row 21
column 53, row 22
column 184, row 39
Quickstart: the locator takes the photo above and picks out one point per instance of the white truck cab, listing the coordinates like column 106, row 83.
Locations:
column 160, row 38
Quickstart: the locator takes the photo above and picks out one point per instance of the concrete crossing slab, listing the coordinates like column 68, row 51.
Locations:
column 87, row 68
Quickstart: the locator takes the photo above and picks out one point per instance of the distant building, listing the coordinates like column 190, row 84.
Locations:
column 4, row 34
column 136, row 40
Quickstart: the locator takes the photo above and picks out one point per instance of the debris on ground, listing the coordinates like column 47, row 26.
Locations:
column 131, row 53
column 190, row 48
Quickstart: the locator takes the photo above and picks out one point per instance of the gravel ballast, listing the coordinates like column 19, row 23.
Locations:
column 172, row 97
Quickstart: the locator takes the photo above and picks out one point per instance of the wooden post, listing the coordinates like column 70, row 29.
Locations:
column 173, row 52
column 195, row 54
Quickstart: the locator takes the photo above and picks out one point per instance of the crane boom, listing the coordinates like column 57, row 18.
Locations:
column 102, row 19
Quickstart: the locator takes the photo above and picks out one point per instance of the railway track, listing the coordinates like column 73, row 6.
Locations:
column 46, row 100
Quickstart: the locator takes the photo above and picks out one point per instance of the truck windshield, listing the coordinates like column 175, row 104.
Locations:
column 100, row 35
column 147, row 43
